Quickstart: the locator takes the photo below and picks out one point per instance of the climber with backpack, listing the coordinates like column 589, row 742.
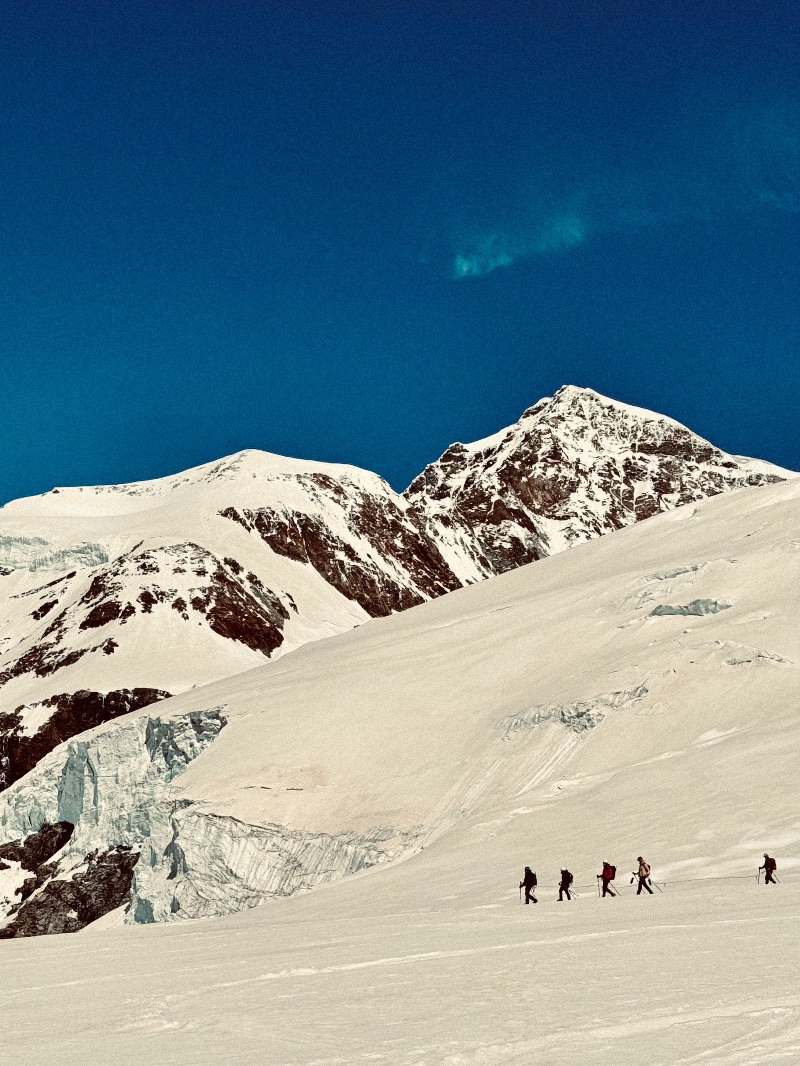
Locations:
column 528, row 882
column 607, row 876
column 769, row 868
column 643, row 873
column 563, row 888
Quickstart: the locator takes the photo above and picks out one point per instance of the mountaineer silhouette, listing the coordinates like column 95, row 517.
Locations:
column 528, row 882
column 769, row 868
column 563, row 888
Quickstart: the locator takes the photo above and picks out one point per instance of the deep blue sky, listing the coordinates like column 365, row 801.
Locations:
column 360, row 236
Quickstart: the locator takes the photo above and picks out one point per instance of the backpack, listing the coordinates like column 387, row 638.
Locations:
column 570, row 879
column 644, row 870
column 609, row 872
column 770, row 864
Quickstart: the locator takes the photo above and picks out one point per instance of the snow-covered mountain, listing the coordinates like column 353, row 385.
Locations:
column 116, row 596
column 576, row 465
column 637, row 692
column 113, row 598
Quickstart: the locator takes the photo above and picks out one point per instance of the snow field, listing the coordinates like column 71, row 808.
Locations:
column 704, row 975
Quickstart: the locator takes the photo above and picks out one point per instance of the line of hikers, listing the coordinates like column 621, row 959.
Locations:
column 605, row 878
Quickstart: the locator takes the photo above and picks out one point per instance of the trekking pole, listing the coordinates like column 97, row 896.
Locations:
column 656, row 885
column 598, row 887
column 758, row 876
column 520, row 893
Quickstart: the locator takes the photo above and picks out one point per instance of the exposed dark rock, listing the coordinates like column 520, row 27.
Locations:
column 147, row 600
column 252, row 617
column 42, row 659
column 102, row 614
column 47, row 585
column 575, row 466
column 67, row 906
column 36, row 849
column 45, row 608
column 233, row 514
column 73, row 713
column 415, row 569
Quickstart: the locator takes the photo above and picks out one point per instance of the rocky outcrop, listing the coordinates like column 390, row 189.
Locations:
column 574, row 467
column 72, row 713
column 67, row 905
column 381, row 556
column 34, row 851
column 183, row 577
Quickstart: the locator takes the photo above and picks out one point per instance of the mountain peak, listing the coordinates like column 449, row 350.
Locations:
column 247, row 467
column 577, row 464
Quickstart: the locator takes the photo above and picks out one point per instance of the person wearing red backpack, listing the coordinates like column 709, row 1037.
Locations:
column 607, row 876
column 769, row 868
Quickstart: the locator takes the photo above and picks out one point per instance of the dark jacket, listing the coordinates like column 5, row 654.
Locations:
column 528, row 879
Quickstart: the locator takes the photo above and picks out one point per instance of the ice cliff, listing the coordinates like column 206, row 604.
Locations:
column 115, row 788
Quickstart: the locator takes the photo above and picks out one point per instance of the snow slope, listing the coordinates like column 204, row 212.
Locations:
column 704, row 976
column 115, row 597
column 650, row 678
column 637, row 695
column 137, row 591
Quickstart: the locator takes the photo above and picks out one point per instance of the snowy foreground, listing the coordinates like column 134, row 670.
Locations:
column 636, row 695
column 706, row 973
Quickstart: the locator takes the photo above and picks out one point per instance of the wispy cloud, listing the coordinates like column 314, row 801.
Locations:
column 728, row 162
column 494, row 250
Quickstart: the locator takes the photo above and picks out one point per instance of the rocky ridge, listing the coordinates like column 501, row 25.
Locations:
column 575, row 466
